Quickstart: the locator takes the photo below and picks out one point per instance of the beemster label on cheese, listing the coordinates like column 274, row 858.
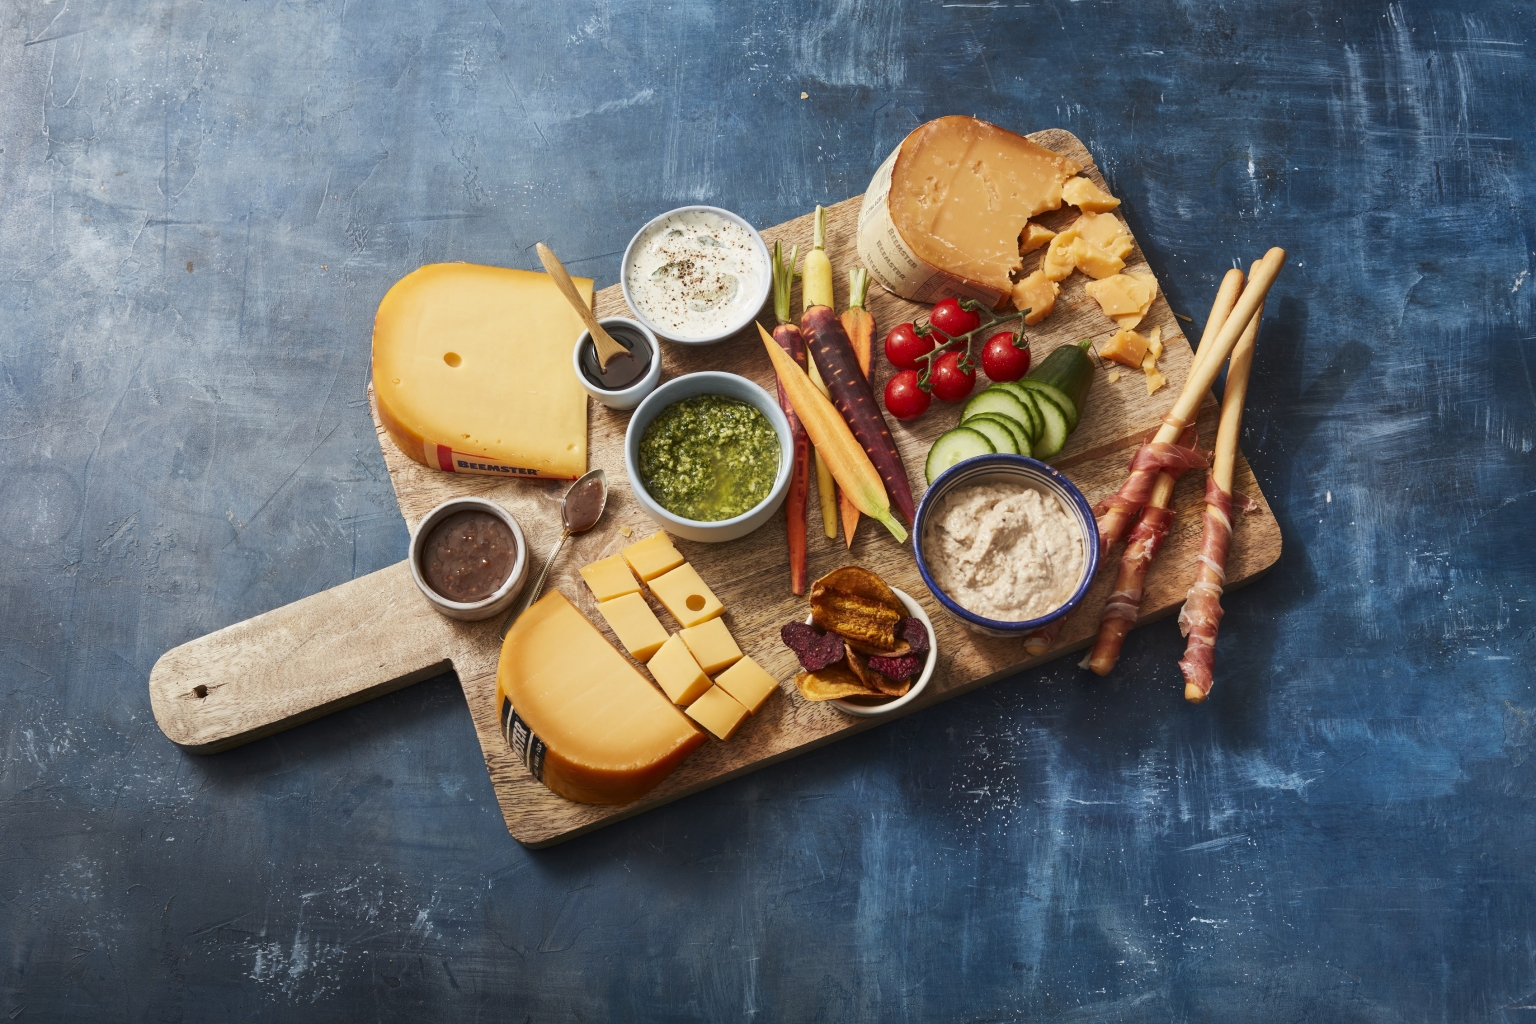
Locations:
column 527, row 747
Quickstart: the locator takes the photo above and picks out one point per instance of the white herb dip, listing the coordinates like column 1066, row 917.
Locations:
column 1004, row 551
column 694, row 274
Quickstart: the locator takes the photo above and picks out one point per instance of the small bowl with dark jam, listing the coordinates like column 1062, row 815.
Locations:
column 469, row 558
column 628, row 378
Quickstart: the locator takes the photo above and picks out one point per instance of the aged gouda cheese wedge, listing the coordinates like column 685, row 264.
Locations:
column 684, row 594
column 1034, row 236
column 472, row 371
column 1093, row 261
column 677, row 673
column 711, row 645
column 609, row 578
column 1036, row 293
column 943, row 214
column 636, row 626
column 1087, row 196
column 1058, row 263
column 653, row 556
column 718, row 712
column 582, row 719
column 749, row 683
column 1105, row 231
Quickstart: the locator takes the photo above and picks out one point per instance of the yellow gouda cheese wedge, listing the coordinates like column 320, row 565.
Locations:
column 582, row 719
column 653, row 556
column 1033, row 237
column 472, row 371
column 749, row 683
column 636, row 626
column 1105, row 231
column 711, row 645
column 718, row 712
column 1036, row 293
column 1093, row 261
column 1058, row 263
column 677, row 673
column 943, row 214
column 1087, row 196
column 609, row 578
column 684, row 594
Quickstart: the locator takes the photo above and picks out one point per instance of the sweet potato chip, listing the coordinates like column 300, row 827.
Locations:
column 858, row 606
column 831, row 684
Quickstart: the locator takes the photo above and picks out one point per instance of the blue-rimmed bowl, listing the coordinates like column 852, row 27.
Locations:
column 727, row 385
column 1009, row 469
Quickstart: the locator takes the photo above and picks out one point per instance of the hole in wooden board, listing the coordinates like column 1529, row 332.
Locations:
column 695, row 602
column 452, row 358
column 200, row 691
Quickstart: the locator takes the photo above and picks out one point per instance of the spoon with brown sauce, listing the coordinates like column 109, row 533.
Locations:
column 580, row 510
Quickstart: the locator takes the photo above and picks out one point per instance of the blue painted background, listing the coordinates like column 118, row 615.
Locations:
column 200, row 206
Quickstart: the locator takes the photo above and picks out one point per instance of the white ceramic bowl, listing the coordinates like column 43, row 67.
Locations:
column 1010, row 469
column 874, row 707
column 498, row 602
column 729, row 385
column 754, row 307
column 625, row 398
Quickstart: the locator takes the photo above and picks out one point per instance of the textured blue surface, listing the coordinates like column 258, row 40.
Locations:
column 200, row 206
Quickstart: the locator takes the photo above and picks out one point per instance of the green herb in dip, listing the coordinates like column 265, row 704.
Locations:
column 709, row 458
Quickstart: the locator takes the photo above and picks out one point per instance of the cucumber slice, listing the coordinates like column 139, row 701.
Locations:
column 992, row 425
column 1025, row 398
column 1068, row 369
column 955, row 446
column 1056, row 397
column 1001, row 402
column 1056, row 430
column 1021, row 440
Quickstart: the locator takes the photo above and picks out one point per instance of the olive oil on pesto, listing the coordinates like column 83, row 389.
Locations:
column 709, row 458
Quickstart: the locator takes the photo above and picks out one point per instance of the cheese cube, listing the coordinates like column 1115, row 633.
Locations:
column 712, row 645
column 636, row 626
column 686, row 597
column 677, row 673
column 1093, row 261
column 749, row 683
column 1087, row 196
column 1036, row 293
column 1058, row 264
column 653, row 556
column 610, row 578
column 718, row 712
column 1033, row 237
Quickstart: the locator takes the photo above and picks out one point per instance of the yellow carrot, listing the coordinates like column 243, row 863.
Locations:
column 816, row 277
column 826, row 490
column 830, row 434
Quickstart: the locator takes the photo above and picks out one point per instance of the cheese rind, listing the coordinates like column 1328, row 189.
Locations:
column 636, row 626
column 582, row 719
column 677, row 673
column 712, row 646
column 609, row 578
column 685, row 595
column 653, row 556
column 943, row 214
column 749, row 683
column 718, row 712
column 472, row 371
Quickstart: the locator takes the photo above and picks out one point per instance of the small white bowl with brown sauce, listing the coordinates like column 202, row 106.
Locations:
column 469, row 558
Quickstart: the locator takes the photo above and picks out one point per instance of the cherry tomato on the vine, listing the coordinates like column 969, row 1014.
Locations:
column 952, row 382
column 1006, row 356
column 903, row 398
column 904, row 345
column 953, row 319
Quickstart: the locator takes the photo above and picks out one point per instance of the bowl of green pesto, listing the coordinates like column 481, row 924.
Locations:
column 709, row 456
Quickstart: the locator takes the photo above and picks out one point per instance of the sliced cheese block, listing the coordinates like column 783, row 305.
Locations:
column 684, row 594
column 1059, row 263
column 582, row 719
column 609, row 578
column 1105, row 231
column 1033, row 237
column 1125, row 298
column 1087, row 196
column 653, row 556
column 472, row 371
column 636, row 626
column 749, row 683
column 712, row 645
column 943, row 214
column 1093, row 261
column 677, row 672
column 1036, row 293
column 718, row 712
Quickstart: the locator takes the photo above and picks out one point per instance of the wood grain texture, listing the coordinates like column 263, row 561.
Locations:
column 750, row 575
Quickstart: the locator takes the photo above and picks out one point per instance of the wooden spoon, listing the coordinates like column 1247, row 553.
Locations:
column 607, row 348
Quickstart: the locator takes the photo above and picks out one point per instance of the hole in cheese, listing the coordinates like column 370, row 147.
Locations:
column 452, row 358
column 695, row 602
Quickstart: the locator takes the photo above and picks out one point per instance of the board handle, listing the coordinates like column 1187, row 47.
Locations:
column 368, row 637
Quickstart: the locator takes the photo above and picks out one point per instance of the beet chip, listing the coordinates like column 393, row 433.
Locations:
column 915, row 633
column 815, row 649
column 903, row 667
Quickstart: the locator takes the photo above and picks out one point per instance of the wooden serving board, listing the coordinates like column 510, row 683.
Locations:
column 377, row 633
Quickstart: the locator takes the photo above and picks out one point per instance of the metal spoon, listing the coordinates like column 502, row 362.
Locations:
column 580, row 510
